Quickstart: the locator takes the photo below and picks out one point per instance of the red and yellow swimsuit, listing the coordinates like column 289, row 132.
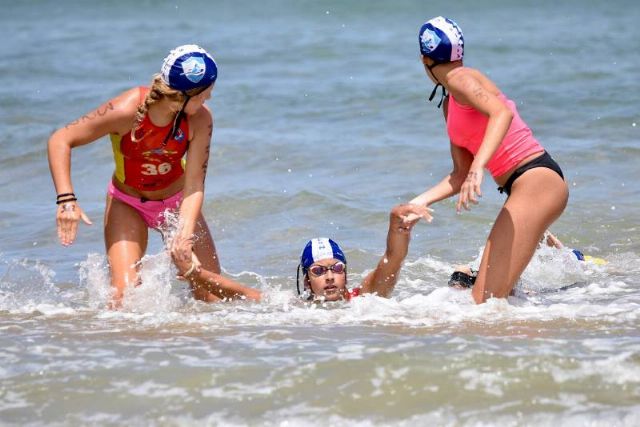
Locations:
column 142, row 160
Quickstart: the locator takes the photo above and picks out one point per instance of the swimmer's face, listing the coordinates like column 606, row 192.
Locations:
column 197, row 101
column 332, row 284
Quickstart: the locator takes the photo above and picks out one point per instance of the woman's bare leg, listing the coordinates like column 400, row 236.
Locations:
column 537, row 199
column 126, row 237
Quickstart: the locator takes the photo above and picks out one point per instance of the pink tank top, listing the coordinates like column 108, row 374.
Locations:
column 466, row 127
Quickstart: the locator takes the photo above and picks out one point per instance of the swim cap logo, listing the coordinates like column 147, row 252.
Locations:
column 193, row 69
column 321, row 246
column 429, row 40
column 321, row 249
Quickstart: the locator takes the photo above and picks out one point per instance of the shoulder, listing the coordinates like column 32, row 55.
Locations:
column 466, row 80
column 463, row 78
column 201, row 123
column 129, row 100
column 121, row 110
column 468, row 85
column 202, row 118
column 116, row 115
column 123, row 106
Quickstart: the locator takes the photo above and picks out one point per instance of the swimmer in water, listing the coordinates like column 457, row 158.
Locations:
column 465, row 277
column 322, row 263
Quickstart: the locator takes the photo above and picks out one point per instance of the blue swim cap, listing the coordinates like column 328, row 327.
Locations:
column 189, row 67
column 441, row 40
column 319, row 249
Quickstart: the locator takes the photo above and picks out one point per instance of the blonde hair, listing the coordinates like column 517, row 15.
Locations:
column 158, row 90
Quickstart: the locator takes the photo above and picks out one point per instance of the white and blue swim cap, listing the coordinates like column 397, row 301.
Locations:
column 441, row 40
column 318, row 249
column 189, row 67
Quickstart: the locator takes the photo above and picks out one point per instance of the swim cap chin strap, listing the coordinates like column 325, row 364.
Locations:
column 178, row 118
column 298, row 279
column 438, row 84
column 177, row 121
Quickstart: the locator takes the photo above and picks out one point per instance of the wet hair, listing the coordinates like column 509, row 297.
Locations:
column 158, row 91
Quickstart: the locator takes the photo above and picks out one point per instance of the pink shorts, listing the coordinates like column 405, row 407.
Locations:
column 151, row 211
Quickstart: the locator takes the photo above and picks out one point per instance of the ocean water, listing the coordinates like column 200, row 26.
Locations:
column 322, row 125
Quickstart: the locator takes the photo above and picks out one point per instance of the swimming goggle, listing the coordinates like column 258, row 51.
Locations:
column 320, row 270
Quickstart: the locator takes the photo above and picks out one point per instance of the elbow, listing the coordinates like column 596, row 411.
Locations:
column 506, row 115
column 194, row 184
column 57, row 142
column 193, row 191
column 54, row 141
column 394, row 256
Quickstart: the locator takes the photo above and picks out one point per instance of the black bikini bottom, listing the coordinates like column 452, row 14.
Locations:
column 544, row 161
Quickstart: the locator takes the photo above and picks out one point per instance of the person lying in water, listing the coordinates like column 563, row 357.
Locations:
column 465, row 277
column 322, row 263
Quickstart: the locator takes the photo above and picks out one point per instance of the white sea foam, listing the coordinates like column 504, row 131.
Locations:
column 160, row 299
column 421, row 297
column 154, row 389
column 618, row 369
column 303, row 416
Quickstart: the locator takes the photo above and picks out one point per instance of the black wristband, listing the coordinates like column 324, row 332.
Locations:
column 71, row 199
column 65, row 195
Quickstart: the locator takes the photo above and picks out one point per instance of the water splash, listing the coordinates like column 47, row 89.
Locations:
column 94, row 277
column 27, row 286
column 421, row 298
